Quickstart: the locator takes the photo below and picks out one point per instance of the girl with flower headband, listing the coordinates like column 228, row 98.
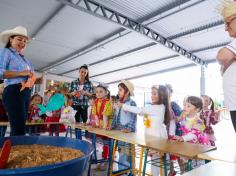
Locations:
column 157, row 116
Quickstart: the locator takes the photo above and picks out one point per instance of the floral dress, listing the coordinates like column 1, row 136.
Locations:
column 210, row 118
column 192, row 129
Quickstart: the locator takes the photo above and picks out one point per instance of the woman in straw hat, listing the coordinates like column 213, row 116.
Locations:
column 15, row 68
column 227, row 57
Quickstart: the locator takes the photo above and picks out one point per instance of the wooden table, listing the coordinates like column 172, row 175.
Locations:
column 31, row 125
column 227, row 155
column 150, row 142
column 214, row 168
column 162, row 145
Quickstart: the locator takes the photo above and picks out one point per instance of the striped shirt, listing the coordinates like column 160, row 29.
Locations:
column 11, row 60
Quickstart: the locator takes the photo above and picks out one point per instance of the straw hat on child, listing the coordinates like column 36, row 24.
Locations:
column 129, row 85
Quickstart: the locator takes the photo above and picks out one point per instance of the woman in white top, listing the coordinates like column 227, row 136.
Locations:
column 227, row 57
column 157, row 116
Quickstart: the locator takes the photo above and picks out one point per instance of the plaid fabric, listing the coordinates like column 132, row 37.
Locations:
column 82, row 100
column 13, row 61
column 132, row 118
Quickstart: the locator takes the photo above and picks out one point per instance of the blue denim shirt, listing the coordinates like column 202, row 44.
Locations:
column 125, row 120
column 11, row 60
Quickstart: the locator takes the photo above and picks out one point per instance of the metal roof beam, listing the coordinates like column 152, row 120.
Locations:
column 133, row 25
column 156, row 72
column 137, row 65
column 121, row 32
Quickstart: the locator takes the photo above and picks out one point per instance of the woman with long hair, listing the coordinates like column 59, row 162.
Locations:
column 81, row 89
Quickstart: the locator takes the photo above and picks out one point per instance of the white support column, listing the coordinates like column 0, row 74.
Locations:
column 202, row 81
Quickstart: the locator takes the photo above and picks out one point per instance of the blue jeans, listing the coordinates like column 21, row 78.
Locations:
column 124, row 160
column 16, row 104
column 123, row 157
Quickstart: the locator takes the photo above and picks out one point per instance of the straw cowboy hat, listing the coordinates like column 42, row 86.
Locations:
column 129, row 85
column 19, row 30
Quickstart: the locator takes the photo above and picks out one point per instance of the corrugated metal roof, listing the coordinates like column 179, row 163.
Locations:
column 69, row 31
column 139, row 71
column 153, row 53
column 209, row 54
column 198, row 15
column 120, row 45
column 73, row 32
column 204, row 38
column 136, row 9
column 30, row 14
